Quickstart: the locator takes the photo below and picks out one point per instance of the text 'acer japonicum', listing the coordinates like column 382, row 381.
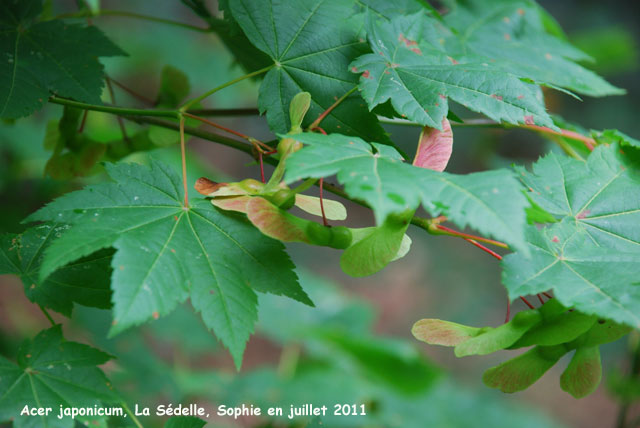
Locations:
column 127, row 232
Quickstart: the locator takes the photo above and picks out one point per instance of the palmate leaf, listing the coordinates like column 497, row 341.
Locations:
column 311, row 43
column 50, row 372
column 490, row 202
column 590, row 278
column 591, row 194
column 85, row 281
column 512, row 35
column 406, row 68
column 167, row 253
column 609, row 136
column 46, row 57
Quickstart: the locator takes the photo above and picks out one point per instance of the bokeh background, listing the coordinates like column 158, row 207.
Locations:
column 174, row 359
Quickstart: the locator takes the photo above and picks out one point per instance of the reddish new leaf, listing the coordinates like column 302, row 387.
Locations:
column 435, row 147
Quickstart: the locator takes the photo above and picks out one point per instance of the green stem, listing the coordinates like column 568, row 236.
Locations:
column 225, row 112
column 485, row 123
column 131, row 414
column 121, row 111
column 183, row 154
column 209, row 136
column 289, row 361
column 46, row 314
column 305, row 185
column 106, row 12
column 566, row 147
column 475, row 123
column 196, row 100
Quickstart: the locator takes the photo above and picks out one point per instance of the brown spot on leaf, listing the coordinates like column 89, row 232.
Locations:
column 528, row 120
column 416, row 50
column 507, row 36
column 366, row 75
column 354, row 70
column 121, row 267
column 408, row 42
column 555, row 239
column 442, row 96
column 520, row 97
column 173, row 251
column 583, row 214
column 506, row 19
column 453, row 61
column 497, row 97
column 520, row 11
column 155, row 315
column 548, row 56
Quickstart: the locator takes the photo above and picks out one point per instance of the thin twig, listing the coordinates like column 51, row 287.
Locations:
column 125, row 14
column 196, row 100
column 183, row 153
column 135, row 420
column 123, row 130
column 451, row 232
column 590, row 143
column 131, row 92
column 526, row 302
column 225, row 111
column 46, row 314
column 324, row 114
column 324, row 217
column 483, row 248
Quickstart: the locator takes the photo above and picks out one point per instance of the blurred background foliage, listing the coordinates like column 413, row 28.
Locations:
column 355, row 346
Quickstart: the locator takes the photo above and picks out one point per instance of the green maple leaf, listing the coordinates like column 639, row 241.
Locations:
column 167, row 253
column 43, row 57
column 386, row 9
column 609, row 136
column 311, row 44
column 590, row 193
column 590, row 278
column 50, row 372
column 418, row 78
column 84, row 281
column 515, row 36
column 491, row 201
